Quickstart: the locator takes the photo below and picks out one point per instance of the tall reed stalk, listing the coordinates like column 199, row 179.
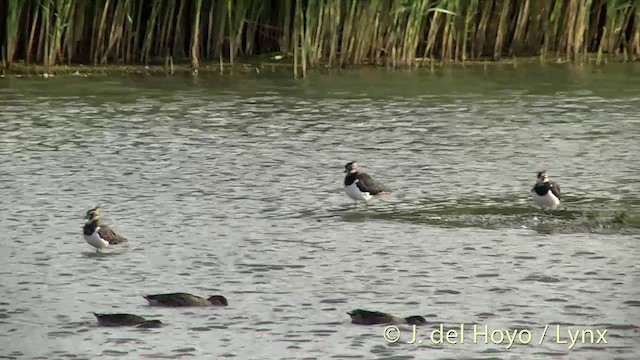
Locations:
column 195, row 36
column 14, row 12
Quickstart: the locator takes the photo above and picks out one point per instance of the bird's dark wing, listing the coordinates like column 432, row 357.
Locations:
column 555, row 189
column 177, row 299
column 367, row 317
column 173, row 299
column 367, row 184
column 110, row 236
column 366, row 312
column 119, row 319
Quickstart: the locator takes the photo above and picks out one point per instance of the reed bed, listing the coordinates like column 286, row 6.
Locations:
column 312, row 33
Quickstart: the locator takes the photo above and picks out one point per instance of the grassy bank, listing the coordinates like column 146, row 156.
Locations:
column 311, row 33
column 258, row 66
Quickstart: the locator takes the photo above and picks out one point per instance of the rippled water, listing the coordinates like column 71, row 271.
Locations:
column 234, row 186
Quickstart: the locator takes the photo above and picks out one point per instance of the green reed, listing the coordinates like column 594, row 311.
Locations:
column 312, row 33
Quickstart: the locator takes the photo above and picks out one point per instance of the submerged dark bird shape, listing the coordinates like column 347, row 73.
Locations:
column 546, row 193
column 98, row 234
column 360, row 186
column 126, row 320
column 184, row 299
column 367, row 317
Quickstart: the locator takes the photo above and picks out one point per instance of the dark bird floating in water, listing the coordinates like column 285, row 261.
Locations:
column 546, row 193
column 360, row 186
column 183, row 299
column 126, row 320
column 367, row 317
column 97, row 233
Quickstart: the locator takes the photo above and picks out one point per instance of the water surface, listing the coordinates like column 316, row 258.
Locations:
column 233, row 185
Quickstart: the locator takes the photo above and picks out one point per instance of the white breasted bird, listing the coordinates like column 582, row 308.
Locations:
column 360, row 186
column 98, row 234
column 546, row 193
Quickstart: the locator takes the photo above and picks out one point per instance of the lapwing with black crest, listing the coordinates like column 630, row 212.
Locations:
column 98, row 234
column 546, row 193
column 360, row 186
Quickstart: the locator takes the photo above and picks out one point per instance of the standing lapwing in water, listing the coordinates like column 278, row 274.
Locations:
column 367, row 317
column 360, row 186
column 98, row 234
column 546, row 193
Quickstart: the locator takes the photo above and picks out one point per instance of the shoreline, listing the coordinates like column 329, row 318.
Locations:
column 255, row 65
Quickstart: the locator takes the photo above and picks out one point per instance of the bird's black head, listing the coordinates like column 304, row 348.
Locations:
column 351, row 167
column 218, row 300
column 542, row 175
column 415, row 320
column 94, row 213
